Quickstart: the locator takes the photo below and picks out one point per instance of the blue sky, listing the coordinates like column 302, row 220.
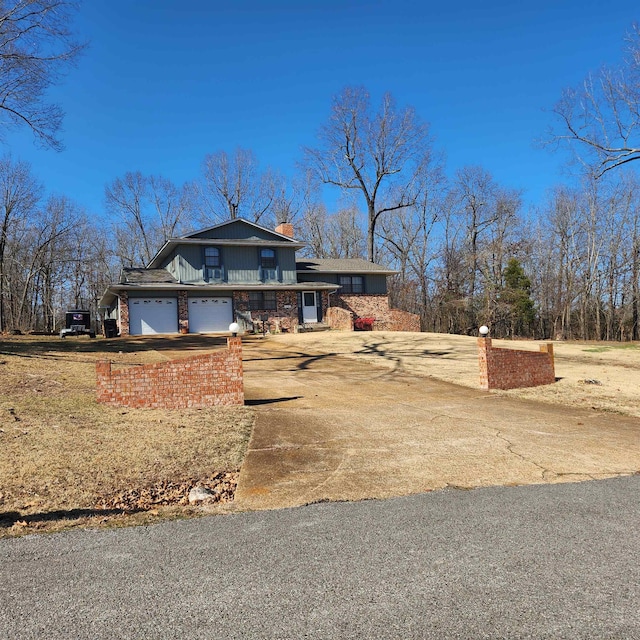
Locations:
column 164, row 83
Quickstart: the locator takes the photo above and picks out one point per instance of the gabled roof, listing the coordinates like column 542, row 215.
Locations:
column 205, row 233
column 207, row 237
column 341, row 265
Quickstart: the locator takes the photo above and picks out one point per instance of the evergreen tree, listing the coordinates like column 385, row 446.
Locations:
column 516, row 297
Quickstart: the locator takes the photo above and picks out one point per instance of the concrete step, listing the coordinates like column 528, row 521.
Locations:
column 313, row 326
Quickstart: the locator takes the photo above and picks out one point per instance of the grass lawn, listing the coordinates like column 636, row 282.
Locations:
column 66, row 460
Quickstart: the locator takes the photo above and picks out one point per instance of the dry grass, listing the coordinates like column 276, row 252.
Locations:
column 62, row 455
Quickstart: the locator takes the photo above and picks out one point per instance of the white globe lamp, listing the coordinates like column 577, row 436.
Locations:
column 234, row 328
column 484, row 330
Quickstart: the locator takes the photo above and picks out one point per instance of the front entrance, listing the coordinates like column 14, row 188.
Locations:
column 309, row 308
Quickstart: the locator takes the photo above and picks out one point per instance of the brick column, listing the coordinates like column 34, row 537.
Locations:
column 484, row 357
column 548, row 348
column 183, row 312
column 234, row 344
column 123, row 307
column 103, row 380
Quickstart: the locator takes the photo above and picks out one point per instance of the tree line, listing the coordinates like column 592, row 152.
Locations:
column 466, row 251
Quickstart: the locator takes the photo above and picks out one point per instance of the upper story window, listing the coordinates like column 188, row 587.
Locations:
column 268, row 266
column 268, row 258
column 212, row 264
column 351, row 284
column 211, row 257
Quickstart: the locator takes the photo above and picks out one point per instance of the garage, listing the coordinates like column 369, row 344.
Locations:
column 210, row 315
column 148, row 316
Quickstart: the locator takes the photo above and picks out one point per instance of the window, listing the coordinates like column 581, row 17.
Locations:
column 212, row 257
column 262, row 300
column 352, row 284
column 268, row 258
column 268, row 267
column 212, row 264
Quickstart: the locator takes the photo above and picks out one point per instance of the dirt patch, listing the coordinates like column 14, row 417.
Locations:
column 65, row 459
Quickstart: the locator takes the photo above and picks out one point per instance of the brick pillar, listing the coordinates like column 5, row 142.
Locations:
column 183, row 312
column 484, row 360
column 103, row 368
column 548, row 348
column 103, row 380
column 123, row 306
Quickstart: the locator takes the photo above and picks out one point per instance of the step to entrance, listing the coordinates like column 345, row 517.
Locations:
column 312, row 326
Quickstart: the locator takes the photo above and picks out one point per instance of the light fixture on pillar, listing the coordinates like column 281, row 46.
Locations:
column 484, row 330
column 234, row 328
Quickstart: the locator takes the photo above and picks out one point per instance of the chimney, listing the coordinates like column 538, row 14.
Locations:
column 285, row 228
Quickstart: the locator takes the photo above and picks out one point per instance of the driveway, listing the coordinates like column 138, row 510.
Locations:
column 331, row 428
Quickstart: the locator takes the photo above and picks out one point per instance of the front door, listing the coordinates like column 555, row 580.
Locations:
column 309, row 309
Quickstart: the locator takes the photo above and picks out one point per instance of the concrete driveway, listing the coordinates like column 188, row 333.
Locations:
column 330, row 428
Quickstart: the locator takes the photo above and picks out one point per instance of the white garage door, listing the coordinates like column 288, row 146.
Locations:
column 153, row 315
column 209, row 315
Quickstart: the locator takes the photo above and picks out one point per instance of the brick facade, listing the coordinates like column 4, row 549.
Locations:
column 339, row 318
column 377, row 306
column 363, row 305
column 124, row 313
column 514, row 368
column 183, row 312
column 200, row 381
column 398, row 321
column 283, row 318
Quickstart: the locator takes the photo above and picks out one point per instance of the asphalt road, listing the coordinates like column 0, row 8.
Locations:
column 543, row 561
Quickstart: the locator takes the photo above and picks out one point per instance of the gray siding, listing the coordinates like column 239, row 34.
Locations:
column 373, row 283
column 240, row 264
column 190, row 258
column 237, row 230
column 287, row 265
column 172, row 265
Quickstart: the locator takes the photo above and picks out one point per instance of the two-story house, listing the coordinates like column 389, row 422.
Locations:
column 240, row 271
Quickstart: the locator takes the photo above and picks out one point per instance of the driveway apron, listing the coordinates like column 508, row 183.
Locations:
column 330, row 428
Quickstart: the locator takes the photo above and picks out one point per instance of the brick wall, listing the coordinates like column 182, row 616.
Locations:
column 200, row 381
column 398, row 320
column 377, row 306
column 514, row 368
column 338, row 318
column 363, row 305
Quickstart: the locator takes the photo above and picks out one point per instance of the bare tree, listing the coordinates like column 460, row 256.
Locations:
column 235, row 188
column 19, row 195
column 338, row 235
column 602, row 115
column 38, row 254
column 408, row 239
column 378, row 154
column 36, row 48
column 150, row 210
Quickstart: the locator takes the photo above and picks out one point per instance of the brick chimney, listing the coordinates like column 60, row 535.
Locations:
column 285, row 228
